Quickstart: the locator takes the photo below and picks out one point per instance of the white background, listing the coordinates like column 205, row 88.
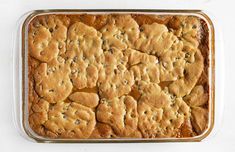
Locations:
column 222, row 10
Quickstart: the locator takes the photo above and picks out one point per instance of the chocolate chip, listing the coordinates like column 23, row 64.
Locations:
column 125, row 82
column 62, row 82
column 103, row 100
column 115, row 71
column 194, row 26
column 51, row 30
column 75, row 58
column 187, row 55
column 117, row 36
column 64, row 116
column 111, row 50
column 51, row 90
column 42, row 53
column 77, row 122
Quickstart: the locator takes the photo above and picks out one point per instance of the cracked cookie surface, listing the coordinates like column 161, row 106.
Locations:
column 120, row 113
column 84, row 48
column 47, row 37
column 115, row 79
column 52, row 80
column 118, row 76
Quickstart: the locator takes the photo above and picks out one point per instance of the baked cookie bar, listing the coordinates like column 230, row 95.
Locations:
column 118, row 76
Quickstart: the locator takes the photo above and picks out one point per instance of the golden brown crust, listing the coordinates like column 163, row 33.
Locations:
column 84, row 48
column 102, row 131
column 52, row 81
column 118, row 76
column 120, row 113
column 87, row 99
column 47, row 37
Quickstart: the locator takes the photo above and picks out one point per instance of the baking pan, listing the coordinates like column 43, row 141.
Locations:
column 160, row 14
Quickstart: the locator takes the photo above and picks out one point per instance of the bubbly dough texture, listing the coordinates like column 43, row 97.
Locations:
column 120, row 113
column 118, row 76
column 64, row 120
column 159, row 115
column 143, row 66
column 115, row 79
column 84, row 48
column 52, row 81
column 47, row 38
column 155, row 39
column 121, row 32
column 184, row 85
